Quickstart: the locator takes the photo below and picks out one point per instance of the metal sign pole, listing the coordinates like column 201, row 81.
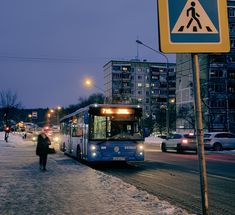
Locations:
column 200, row 134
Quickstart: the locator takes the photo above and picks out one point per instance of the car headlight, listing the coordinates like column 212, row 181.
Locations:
column 34, row 138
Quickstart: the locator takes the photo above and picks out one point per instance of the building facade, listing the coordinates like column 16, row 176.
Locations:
column 140, row 82
column 217, row 76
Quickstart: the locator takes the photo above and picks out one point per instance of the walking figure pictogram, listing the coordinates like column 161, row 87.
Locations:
column 194, row 15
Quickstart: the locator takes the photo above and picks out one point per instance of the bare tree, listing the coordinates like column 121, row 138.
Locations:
column 8, row 103
column 186, row 113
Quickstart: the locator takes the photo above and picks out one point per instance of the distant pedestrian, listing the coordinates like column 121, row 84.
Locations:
column 24, row 136
column 7, row 130
column 42, row 150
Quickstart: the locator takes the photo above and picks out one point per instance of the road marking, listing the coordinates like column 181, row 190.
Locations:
column 216, row 176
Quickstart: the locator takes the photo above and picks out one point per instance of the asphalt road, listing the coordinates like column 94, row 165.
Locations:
column 175, row 178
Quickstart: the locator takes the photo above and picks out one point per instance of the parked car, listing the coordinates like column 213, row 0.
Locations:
column 179, row 142
column 218, row 141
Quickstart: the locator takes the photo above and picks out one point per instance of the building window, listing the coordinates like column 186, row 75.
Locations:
column 231, row 12
column 231, row 27
column 139, row 84
column 231, row 89
column 231, row 59
column 216, row 73
column 232, row 41
column 217, row 87
column 231, row 74
column 116, row 68
column 147, row 85
column 139, row 77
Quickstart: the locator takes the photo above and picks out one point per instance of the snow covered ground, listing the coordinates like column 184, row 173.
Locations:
column 68, row 187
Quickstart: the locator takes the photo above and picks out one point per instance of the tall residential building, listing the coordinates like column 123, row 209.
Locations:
column 217, row 76
column 140, row 82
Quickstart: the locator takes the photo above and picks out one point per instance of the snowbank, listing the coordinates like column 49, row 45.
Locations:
column 68, row 187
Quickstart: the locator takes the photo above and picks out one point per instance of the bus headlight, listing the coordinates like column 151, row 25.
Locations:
column 141, row 147
column 56, row 139
column 93, row 154
column 93, row 147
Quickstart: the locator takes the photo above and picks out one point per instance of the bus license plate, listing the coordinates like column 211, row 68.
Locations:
column 118, row 158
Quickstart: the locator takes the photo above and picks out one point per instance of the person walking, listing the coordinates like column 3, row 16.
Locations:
column 42, row 150
column 7, row 130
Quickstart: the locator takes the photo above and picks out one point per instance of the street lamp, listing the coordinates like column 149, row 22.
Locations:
column 167, row 79
column 89, row 83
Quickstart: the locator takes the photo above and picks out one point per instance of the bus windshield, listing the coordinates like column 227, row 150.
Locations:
column 115, row 127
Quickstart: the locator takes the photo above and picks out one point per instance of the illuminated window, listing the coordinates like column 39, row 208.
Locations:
column 139, row 84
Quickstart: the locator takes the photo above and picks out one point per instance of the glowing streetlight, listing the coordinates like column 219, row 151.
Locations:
column 89, row 83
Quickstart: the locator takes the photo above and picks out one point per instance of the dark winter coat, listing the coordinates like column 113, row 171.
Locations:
column 42, row 145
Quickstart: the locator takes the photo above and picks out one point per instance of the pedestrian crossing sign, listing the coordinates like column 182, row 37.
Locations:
column 193, row 26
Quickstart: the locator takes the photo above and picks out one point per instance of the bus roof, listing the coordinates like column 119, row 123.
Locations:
column 97, row 105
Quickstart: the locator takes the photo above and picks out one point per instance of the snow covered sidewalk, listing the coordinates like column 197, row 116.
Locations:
column 68, row 187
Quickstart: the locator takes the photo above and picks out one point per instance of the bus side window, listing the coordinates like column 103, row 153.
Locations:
column 74, row 130
column 80, row 127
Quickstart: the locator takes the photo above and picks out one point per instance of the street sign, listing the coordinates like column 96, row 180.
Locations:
column 193, row 26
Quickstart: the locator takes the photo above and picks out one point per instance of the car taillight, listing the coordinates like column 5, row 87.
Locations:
column 184, row 141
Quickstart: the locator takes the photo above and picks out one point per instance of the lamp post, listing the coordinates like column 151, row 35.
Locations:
column 167, row 79
column 58, row 114
column 48, row 118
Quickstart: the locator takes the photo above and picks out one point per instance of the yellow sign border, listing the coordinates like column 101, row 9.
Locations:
column 167, row 46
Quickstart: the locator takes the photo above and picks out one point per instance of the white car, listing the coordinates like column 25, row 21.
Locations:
column 219, row 140
column 179, row 142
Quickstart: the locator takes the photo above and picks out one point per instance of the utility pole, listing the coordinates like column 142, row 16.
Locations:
column 200, row 134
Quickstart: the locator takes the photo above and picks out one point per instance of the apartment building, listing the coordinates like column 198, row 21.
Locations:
column 217, row 76
column 140, row 82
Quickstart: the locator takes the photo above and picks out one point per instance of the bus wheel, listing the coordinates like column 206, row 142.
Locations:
column 79, row 157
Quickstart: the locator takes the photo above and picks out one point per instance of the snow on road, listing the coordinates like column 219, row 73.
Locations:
column 68, row 187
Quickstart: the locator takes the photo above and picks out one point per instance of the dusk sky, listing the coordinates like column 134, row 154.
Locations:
column 47, row 47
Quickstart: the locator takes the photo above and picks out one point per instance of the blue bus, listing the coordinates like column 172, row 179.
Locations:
column 103, row 132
